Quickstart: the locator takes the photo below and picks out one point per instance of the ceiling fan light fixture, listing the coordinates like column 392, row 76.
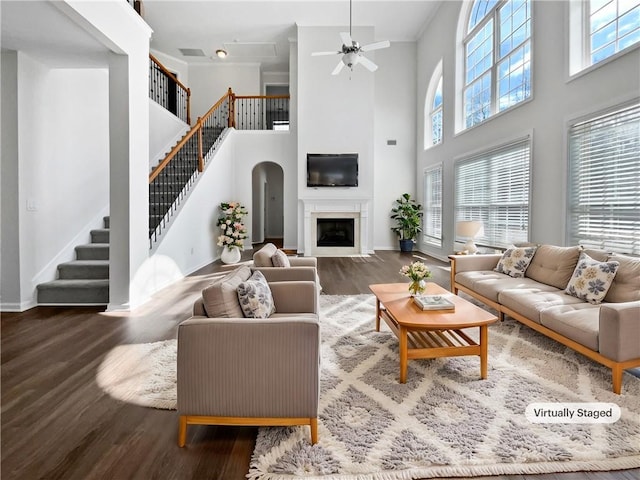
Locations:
column 220, row 53
column 350, row 59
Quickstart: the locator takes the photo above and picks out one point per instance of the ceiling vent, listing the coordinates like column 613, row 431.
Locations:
column 192, row 52
column 250, row 49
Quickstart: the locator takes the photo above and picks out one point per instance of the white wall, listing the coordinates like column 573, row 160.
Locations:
column 126, row 37
column 335, row 113
column 555, row 101
column 395, row 114
column 190, row 241
column 9, row 188
column 210, row 82
column 253, row 148
column 165, row 130
column 63, row 177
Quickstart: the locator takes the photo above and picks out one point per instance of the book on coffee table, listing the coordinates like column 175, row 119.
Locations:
column 433, row 302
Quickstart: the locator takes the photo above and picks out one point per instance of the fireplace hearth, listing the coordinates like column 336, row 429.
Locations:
column 335, row 232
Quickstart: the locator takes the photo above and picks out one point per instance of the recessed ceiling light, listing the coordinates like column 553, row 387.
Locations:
column 221, row 53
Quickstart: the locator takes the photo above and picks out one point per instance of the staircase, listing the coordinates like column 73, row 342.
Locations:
column 84, row 281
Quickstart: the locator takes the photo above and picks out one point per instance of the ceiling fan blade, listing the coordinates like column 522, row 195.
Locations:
column 317, row 54
column 366, row 63
column 338, row 68
column 346, row 39
column 376, row 46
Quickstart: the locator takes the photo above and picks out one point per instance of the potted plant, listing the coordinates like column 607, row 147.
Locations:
column 407, row 214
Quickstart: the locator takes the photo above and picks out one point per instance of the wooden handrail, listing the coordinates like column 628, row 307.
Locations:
column 174, row 151
column 196, row 129
column 167, row 72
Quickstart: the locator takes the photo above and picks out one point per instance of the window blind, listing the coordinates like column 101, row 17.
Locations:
column 494, row 187
column 604, row 176
column 432, row 218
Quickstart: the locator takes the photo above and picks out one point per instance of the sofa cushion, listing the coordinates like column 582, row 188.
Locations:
column 280, row 259
column 220, row 299
column 530, row 301
column 599, row 255
column 262, row 258
column 591, row 279
column 255, row 297
column 626, row 284
column 553, row 265
column 514, row 261
column 579, row 322
column 489, row 283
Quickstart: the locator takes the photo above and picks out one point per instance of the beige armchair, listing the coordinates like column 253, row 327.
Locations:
column 250, row 371
column 299, row 268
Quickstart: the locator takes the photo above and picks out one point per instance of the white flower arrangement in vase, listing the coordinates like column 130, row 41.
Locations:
column 233, row 230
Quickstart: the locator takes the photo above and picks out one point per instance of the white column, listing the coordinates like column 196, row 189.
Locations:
column 129, row 187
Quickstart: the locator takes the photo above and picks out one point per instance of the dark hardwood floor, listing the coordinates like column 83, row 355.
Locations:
column 56, row 423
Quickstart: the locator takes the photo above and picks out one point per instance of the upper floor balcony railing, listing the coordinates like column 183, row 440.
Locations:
column 166, row 90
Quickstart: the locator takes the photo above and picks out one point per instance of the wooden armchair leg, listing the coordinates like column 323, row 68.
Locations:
column 616, row 373
column 182, row 431
column 314, row 431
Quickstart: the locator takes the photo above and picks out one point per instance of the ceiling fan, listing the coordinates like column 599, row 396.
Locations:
column 352, row 52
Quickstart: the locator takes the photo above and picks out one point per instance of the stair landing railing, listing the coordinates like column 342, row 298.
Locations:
column 169, row 92
column 171, row 180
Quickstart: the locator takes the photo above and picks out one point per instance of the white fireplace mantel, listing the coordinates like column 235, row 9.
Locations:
column 357, row 209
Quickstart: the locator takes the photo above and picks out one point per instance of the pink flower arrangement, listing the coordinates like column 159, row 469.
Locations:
column 233, row 230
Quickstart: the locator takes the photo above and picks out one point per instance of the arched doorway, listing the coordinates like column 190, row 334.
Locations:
column 267, row 203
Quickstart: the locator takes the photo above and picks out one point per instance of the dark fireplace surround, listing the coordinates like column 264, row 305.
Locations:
column 335, row 232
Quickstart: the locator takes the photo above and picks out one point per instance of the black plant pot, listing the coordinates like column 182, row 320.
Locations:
column 406, row 245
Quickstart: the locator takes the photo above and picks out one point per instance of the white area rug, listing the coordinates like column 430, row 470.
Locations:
column 142, row 373
column 444, row 422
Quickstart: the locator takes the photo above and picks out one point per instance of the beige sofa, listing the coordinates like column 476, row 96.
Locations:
column 234, row 370
column 608, row 332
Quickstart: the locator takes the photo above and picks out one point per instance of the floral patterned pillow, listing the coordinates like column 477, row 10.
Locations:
column 255, row 297
column 514, row 261
column 591, row 279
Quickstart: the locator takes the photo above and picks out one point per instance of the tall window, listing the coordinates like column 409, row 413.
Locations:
column 433, row 109
column 600, row 29
column 613, row 26
column 436, row 115
column 604, row 175
column 497, row 58
column 493, row 187
column 432, row 218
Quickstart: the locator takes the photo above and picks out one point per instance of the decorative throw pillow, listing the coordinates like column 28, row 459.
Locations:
column 591, row 279
column 280, row 259
column 255, row 297
column 514, row 261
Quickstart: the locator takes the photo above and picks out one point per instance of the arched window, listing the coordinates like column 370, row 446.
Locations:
column 433, row 109
column 497, row 57
column 600, row 29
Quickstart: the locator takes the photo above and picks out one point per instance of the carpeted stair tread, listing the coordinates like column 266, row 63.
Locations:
column 93, row 251
column 84, row 269
column 100, row 235
column 74, row 292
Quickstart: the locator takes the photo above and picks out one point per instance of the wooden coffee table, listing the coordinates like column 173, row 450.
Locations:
column 431, row 333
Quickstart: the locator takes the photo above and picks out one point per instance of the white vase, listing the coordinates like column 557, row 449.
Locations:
column 230, row 255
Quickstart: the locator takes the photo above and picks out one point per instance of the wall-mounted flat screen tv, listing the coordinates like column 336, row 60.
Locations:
column 332, row 170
